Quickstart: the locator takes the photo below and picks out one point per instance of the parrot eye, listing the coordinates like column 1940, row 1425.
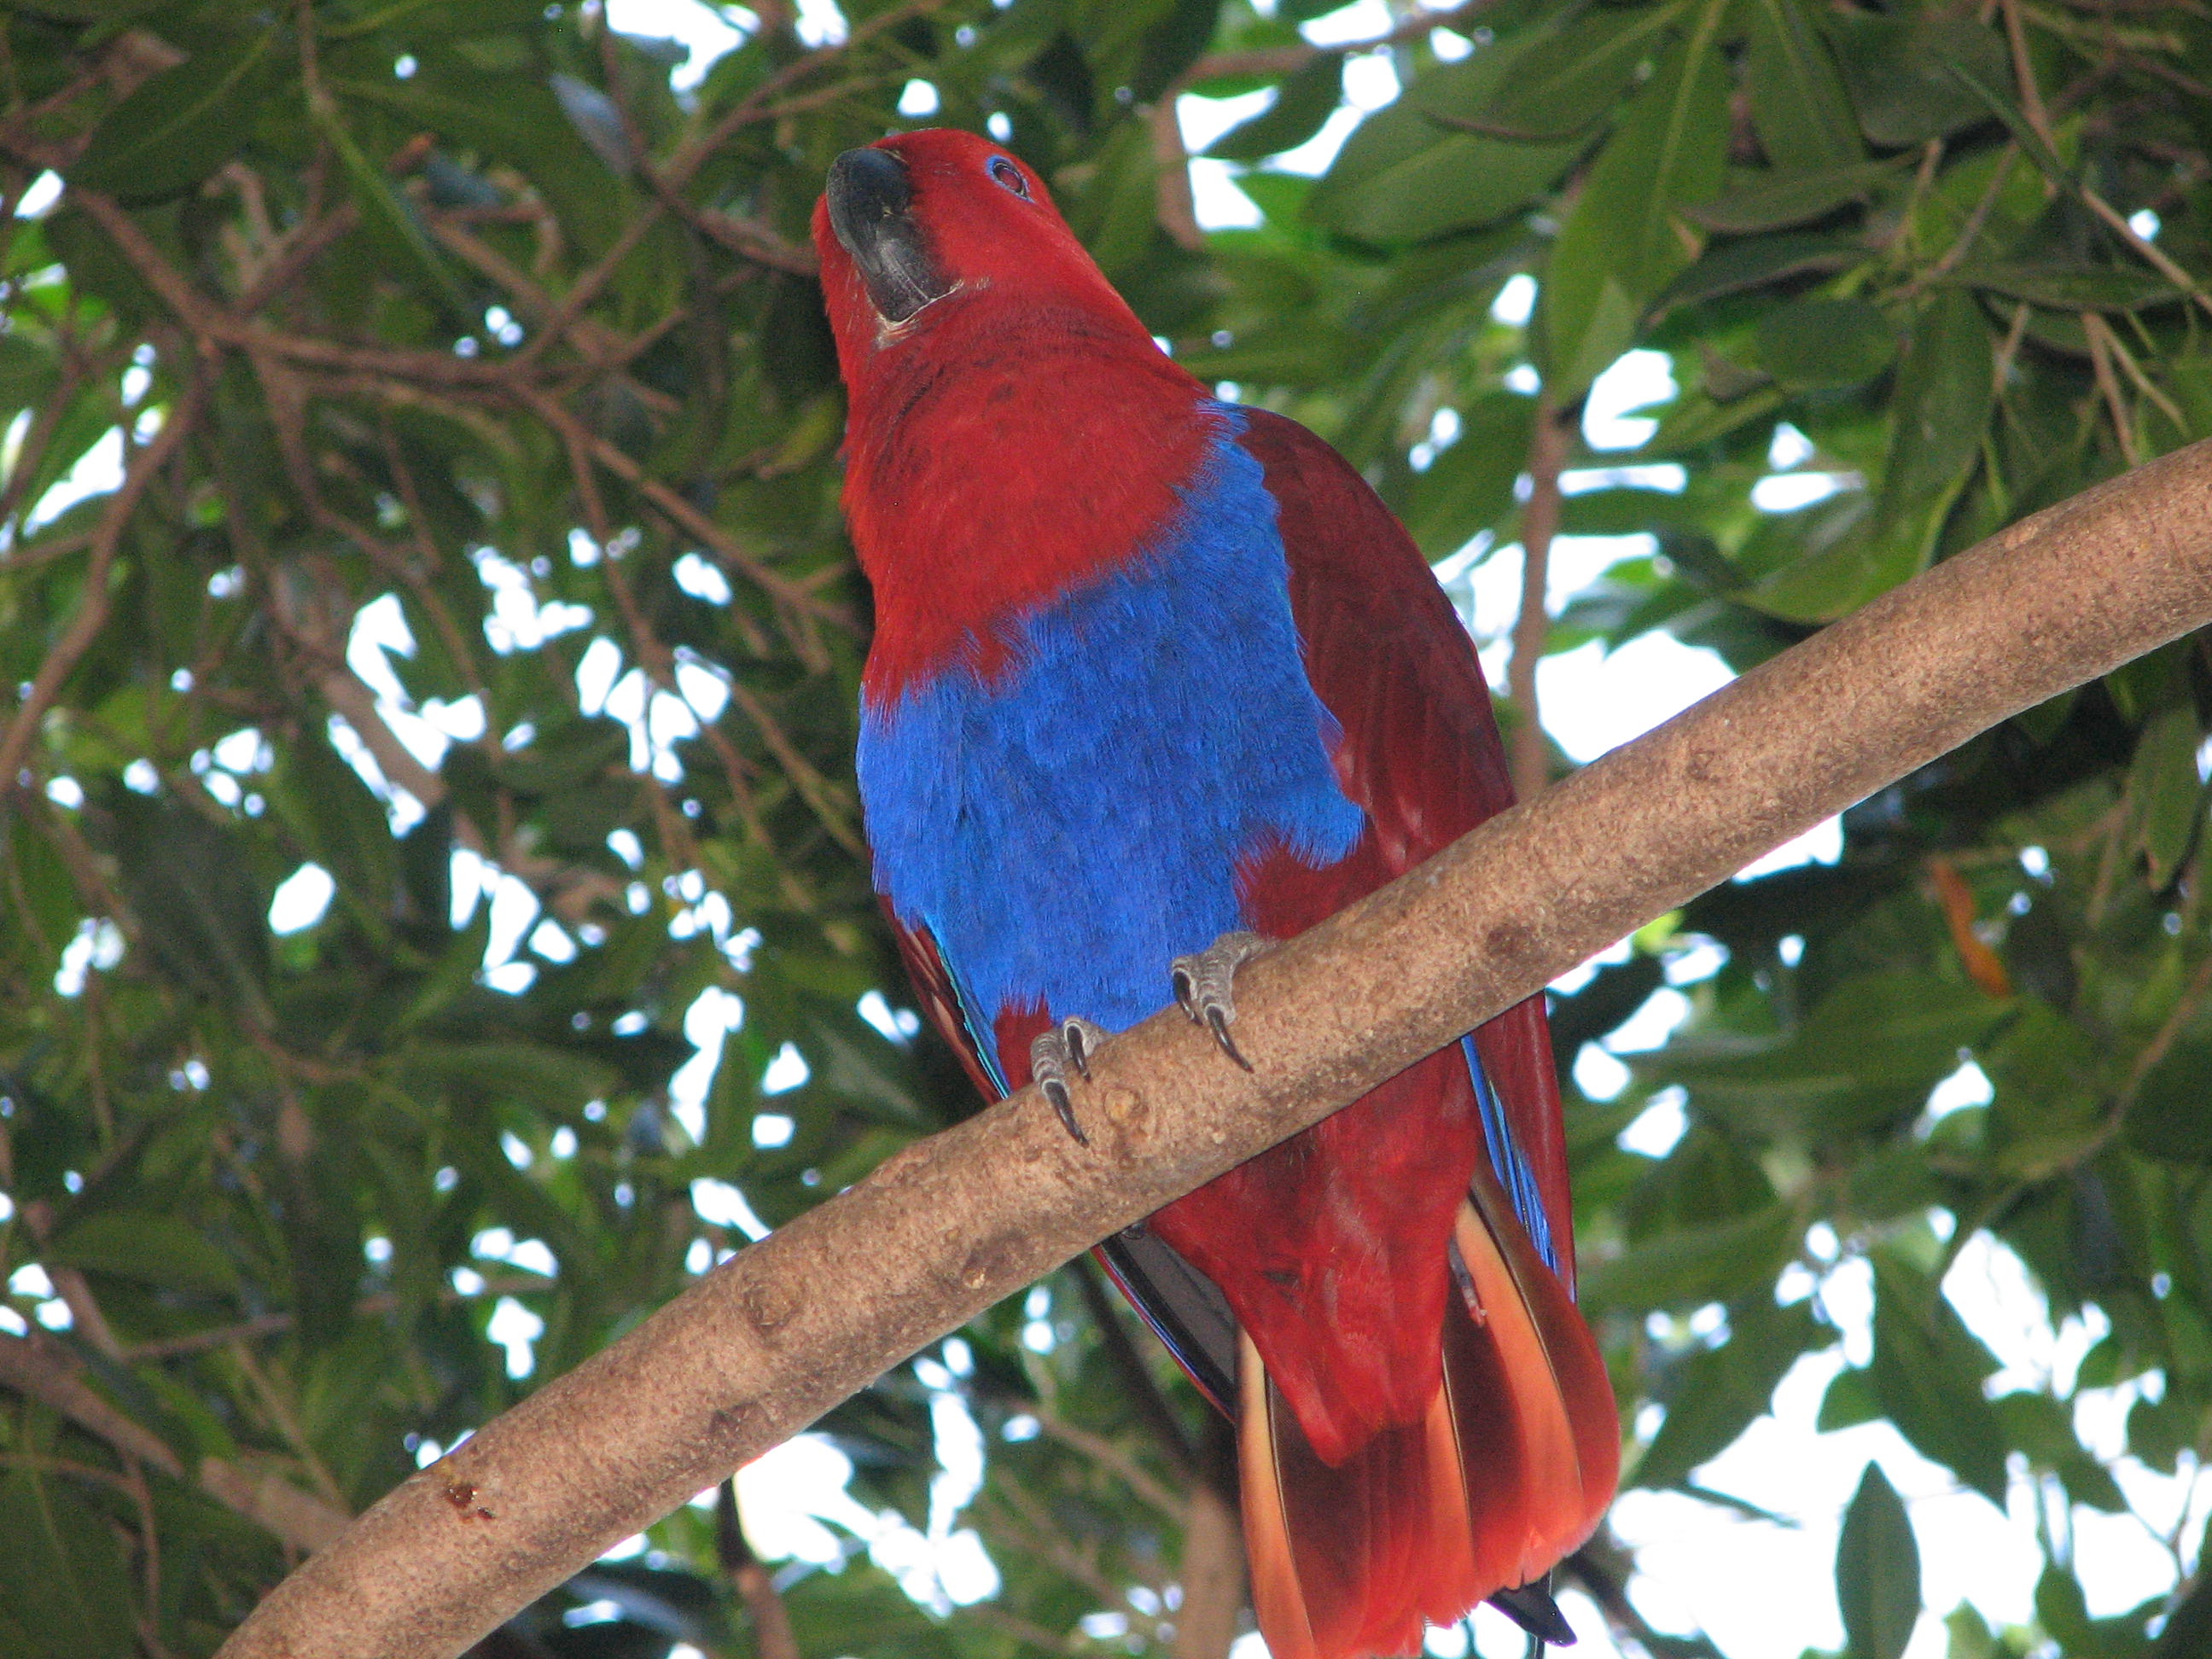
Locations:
column 1006, row 173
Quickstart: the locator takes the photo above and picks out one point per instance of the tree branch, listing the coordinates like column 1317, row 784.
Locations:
column 1213, row 1564
column 92, row 607
column 760, row 1347
column 1539, row 522
column 39, row 1367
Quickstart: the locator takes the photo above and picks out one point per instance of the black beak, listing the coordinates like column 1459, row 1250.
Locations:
column 871, row 211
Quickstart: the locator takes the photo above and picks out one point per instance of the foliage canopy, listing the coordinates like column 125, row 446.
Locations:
column 476, row 552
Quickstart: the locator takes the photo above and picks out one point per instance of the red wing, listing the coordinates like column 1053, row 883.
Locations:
column 1420, row 751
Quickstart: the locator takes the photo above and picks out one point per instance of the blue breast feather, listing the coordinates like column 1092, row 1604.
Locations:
column 1067, row 829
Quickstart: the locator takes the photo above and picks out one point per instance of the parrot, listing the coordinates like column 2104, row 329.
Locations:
column 1155, row 680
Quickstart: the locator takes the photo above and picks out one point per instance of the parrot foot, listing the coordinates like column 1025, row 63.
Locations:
column 1058, row 1050
column 1203, row 985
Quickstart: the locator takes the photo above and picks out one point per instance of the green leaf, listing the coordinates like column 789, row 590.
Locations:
column 1693, row 1266
column 1899, row 71
column 1566, row 81
column 153, row 1249
column 2041, row 1427
column 1784, row 200
column 1860, row 556
column 1716, row 1394
column 1971, row 1635
column 2063, row 1611
column 1454, row 181
column 1175, row 42
column 1303, row 104
column 1825, row 1080
column 1946, row 387
column 2068, row 288
column 1797, row 98
column 1982, row 82
column 1848, row 1401
column 182, row 123
column 2164, row 793
column 2171, row 1115
column 62, row 1574
column 1927, row 1372
column 1877, row 1571
column 1825, row 342
column 389, row 218
column 1703, row 418
column 1757, row 261
column 1114, row 213
column 1470, row 486
column 556, row 1078
column 201, row 909
column 28, row 370
column 1622, row 245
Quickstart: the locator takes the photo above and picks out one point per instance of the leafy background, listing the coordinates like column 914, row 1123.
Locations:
column 435, row 926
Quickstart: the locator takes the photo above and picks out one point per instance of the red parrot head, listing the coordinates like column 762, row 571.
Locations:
column 920, row 228
column 970, row 324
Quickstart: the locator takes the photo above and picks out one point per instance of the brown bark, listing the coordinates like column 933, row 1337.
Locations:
column 1213, row 1568
column 772, row 1633
column 1539, row 522
column 763, row 1345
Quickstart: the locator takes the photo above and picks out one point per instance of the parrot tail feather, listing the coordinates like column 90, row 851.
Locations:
column 1509, row 1469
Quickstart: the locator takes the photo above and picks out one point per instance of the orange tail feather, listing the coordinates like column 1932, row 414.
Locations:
column 1509, row 1469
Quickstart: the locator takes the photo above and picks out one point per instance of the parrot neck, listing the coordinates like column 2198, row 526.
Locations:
column 991, row 466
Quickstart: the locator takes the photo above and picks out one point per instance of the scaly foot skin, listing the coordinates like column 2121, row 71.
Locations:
column 1057, row 1051
column 1203, row 985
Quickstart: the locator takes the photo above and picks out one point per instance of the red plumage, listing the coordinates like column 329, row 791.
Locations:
column 1424, row 1418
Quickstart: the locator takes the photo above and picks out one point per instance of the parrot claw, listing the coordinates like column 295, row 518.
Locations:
column 1204, row 986
column 1056, row 1050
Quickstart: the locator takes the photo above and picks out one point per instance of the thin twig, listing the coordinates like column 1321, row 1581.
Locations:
column 2127, row 232
column 772, row 1633
column 669, row 501
column 1101, row 1451
column 1969, row 233
column 2144, row 384
column 92, row 607
column 1540, row 521
column 2023, row 70
column 2170, row 1030
column 2100, row 344
column 1213, row 1568
column 40, row 1368
column 77, row 368
column 287, row 1424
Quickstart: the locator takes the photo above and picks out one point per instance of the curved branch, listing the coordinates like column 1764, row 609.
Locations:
column 92, row 607
column 763, row 1345
column 39, row 1367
